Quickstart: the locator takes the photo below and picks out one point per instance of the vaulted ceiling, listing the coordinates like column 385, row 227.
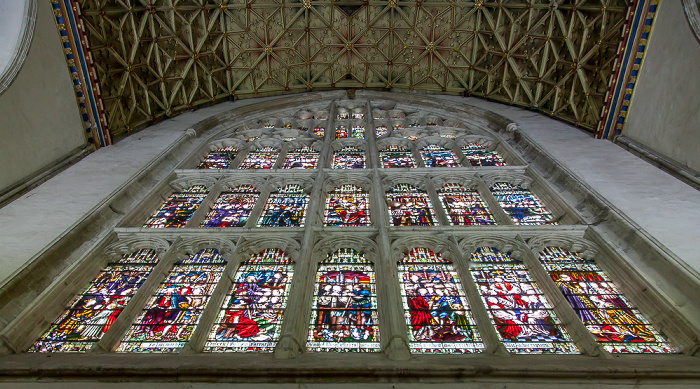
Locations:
column 156, row 58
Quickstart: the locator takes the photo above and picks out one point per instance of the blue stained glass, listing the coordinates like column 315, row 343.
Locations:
column 396, row 157
column 380, row 131
column 178, row 209
column 479, row 156
column 521, row 205
column 302, row 158
column 409, row 206
column 219, row 159
column 285, row 208
column 349, row 158
column 232, row 208
column 436, row 156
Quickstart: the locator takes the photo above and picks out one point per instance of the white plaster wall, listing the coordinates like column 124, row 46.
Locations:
column 39, row 118
column 664, row 113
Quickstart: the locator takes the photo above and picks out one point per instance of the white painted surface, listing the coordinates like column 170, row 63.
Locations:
column 11, row 23
column 664, row 113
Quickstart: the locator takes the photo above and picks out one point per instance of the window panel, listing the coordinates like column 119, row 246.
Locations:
column 262, row 158
column 178, row 209
column 285, row 208
column 358, row 132
column 380, row 131
column 232, row 208
column 523, row 207
column 436, row 156
column 320, row 131
column 341, row 132
column 464, row 207
column 349, row 158
column 396, row 157
column 219, row 159
column 347, row 205
column 302, row 158
column 479, row 156
column 344, row 311
column 409, row 206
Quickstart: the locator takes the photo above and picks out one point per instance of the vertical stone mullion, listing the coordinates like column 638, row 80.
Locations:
column 255, row 213
column 498, row 213
column 437, row 204
column 201, row 213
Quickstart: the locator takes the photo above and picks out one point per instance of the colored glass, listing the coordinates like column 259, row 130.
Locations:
column 302, row 158
column 262, row 158
column 319, row 131
column 409, row 206
column 396, row 157
column 358, row 132
column 341, row 132
column 380, row 131
column 285, row 208
column 521, row 205
column 347, row 205
column 479, row 156
column 178, row 209
column 232, row 208
column 436, row 156
column 219, row 159
column 464, row 207
column 349, row 158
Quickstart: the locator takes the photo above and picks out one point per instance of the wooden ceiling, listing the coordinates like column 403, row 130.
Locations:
column 157, row 58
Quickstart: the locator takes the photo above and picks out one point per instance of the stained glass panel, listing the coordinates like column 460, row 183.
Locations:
column 172, row 313
column 358, row 115
column 358, row 132
column 464, row 207
column 436, row 156
column 219, row 159
column 349, row 158
column 262, row 158
column 396, row 157
column 341, row 132
column 285, row 208
column 523, row 317
column 380, row 131
column 232, row 208
column 251, row 316
column 409, row 206
column 436, row 309
column 521, row 205
column 344, row 311
column 178, row 209
column 319, row 131
column 302, row 158
column 606, row 313
column 92, row 312
column 479, row 156
column 347, row 205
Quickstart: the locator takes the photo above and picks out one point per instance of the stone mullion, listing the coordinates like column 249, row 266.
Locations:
column 437, row 204
column 135, row 306
column 566, row 314
column 257, row 210
column 371, row 139
column 492, row 342
column 201, row 213
column 498, row 213
column 282, row 156
column 216, row 300
column 326, row 157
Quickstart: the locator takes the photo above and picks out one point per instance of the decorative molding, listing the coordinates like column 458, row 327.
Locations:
column 692, row 13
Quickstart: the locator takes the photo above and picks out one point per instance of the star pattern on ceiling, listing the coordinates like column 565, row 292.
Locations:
column 154, row 59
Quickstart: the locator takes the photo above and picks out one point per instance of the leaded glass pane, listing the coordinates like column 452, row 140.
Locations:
column 396, row 157
column 358, row 132
column 464, row 207
column 320, row 131
column 521, row 205
column 262, row 158
column 409, row 206
column 435, row 307
column 607, row 314
column 302, row 158
column 93, row 311
column 232, row 208
column 344, row 309
column 380, row 131
column 285, row 208
column 347, row 205
column 349, row 158
column 173, row 312
column 219, row 159
column 341, row 132
column 479, row 156
column 523, row 317
column 251, row 316
column 436, row 156
column 178, row 209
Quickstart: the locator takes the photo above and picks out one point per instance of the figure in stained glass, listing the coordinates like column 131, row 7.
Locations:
column 409, row 206
column 341, row 132
column 396, row 157
column 219, row 159
column 380, row 131
column 344, row 312
column 320, row 131
column 464, row 207
column 178, row 209
column 251, row 316
column 302, row 158
column 358, row 132
column 478, row 155
column 285, row 208
column 436, row 156
column 347, row 205
column 261, row 158
column 349, row 158
column 232, row 208
column 521, row 205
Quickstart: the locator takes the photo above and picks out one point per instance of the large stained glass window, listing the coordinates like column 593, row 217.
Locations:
column 479, row 156
column 349, row 158
column 302, row 158
column 219, row 159
column 409, row 206
column 251, row 317
column 396, row 157
column 344, row 311
column 94, row 310
column 285, row 208
column 232, row 208
column 521, row 205
column 178, row 209
column 436, row 156
column 261, row 158
column 523, row 317
column 606, row 313
column 436, row 310
column 464, row 207
column 347, row 205
column 172, row 313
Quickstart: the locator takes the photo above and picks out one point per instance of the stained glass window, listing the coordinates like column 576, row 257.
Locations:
column 319, row 131
column 521, row 205
column 606, row 313
column 344, row 311
column 358, row 132
column 436, row 156
column 396, row 156
column 172, row 313
column 232, row 208
column 285, row 208
column 219, row 159
column 479, row 156
column 341, row 132
column 523, row 317
column 178, row 209
column 347, row 205
column 302, row 158
column 343, row 115
column 436, row 309
column 358, row 115
column 93, row 311
column 398, row 127
column 464, row 207
column 349, row 158
column 380, row 131
column 251, row 316
column 409, row 206
column 262, row 158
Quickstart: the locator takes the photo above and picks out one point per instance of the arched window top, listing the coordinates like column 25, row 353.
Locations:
column 17, row 22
